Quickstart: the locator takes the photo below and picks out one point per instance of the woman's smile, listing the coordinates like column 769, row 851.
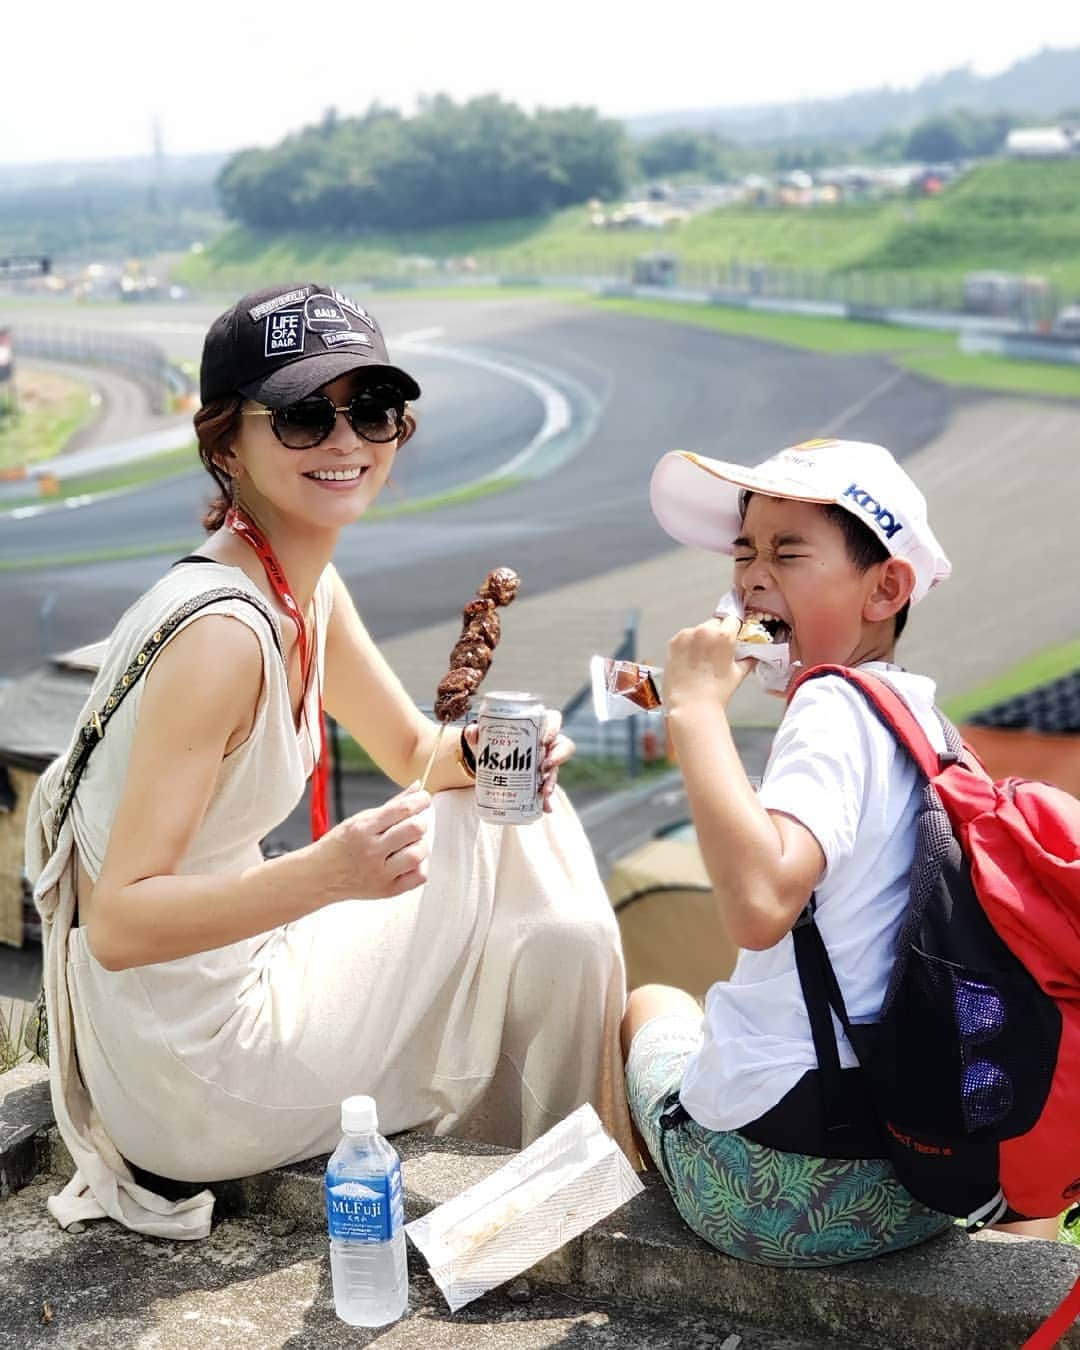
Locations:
column 339, row 480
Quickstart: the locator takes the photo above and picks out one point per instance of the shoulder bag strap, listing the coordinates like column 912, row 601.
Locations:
column 94, row 729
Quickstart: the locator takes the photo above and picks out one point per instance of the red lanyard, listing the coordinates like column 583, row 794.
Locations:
column 246, row 528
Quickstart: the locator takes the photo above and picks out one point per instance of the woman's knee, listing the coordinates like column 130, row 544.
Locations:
column 581, row 944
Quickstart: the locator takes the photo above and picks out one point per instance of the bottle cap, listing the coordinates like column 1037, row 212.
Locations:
column 358, row 1115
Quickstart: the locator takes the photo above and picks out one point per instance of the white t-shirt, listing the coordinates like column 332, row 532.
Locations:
column 835, row 768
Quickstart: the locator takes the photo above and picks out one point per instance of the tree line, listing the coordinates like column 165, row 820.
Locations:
column 487, row 159
column 450, row 163
column 942, row 138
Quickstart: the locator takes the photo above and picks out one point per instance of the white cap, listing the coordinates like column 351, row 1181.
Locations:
column 696, row 499
column 358, row 1115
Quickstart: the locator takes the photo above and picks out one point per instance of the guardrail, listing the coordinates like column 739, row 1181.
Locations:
column 1023, row 346
column 864, row 297
column 1022, row 302
column 143, row 361
column 978, row 332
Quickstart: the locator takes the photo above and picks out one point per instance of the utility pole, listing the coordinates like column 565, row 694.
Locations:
column 157, row 189
column 7, row 371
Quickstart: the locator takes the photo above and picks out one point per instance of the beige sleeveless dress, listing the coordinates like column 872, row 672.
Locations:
column 485, row 1003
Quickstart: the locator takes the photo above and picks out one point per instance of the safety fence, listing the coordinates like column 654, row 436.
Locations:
column 1025, row 301
column 140, row 360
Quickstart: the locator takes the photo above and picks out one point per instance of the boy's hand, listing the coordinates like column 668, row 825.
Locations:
column 701, row 665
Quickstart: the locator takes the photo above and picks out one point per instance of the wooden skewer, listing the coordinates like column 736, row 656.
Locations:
column 431, row 758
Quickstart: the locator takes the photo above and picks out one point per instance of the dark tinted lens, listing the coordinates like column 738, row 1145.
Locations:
column 375, row 414
column 304, row 423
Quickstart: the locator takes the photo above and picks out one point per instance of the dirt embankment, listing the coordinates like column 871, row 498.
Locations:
column 47, row 409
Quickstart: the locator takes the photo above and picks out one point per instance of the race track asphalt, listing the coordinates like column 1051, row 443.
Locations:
column 659, row 386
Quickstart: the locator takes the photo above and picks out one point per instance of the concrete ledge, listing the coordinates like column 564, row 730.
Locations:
column 25, row 1117
column 261, row 1286
column 953, row 1293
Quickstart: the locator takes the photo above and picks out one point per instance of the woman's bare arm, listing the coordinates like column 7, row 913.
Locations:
column 201, row 691
column 367, row 698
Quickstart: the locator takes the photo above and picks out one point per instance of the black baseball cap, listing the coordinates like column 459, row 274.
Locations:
column 284, row 342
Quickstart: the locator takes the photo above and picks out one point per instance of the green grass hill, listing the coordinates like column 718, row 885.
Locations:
column 1005, row 215
column 1010, row 215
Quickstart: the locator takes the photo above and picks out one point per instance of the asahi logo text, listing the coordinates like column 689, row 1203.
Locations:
column 512, row 761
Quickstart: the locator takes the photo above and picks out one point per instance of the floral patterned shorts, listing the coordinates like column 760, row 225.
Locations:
column 754, row 1202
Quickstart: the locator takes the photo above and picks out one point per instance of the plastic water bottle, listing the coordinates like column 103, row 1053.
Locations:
column 365, row 1213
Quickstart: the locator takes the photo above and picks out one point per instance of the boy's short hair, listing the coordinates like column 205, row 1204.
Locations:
column 865, row 550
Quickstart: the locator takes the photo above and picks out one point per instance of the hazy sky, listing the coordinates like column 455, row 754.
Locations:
column 87, row 78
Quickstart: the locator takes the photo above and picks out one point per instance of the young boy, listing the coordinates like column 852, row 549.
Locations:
column 832, row 546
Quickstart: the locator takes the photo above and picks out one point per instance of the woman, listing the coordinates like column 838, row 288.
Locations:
column 221, row 1005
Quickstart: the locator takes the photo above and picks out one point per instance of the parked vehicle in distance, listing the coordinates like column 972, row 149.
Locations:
column 656, row 269
column 1004, row 293
column 1067, row 323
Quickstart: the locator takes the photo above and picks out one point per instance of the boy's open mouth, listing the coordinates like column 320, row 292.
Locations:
column 777, row 629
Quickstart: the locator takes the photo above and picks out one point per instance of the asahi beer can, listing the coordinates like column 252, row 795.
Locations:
column 508, row 754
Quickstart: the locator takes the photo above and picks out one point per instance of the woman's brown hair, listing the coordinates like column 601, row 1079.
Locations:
column 217, row 425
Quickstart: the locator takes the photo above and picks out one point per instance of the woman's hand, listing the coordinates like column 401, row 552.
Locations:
column 701, row 665
column 555, row 750
column 381, row 852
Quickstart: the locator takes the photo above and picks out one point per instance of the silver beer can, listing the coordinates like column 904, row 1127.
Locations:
column 508, row 755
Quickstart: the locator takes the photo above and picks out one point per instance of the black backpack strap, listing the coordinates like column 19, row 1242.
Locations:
column 822, row 995
column 953, row 740
column 94, row 729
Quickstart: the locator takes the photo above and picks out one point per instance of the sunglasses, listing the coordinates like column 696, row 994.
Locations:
column 375, row 415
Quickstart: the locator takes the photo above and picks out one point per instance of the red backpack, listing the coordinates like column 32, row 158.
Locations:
column 974, row 1064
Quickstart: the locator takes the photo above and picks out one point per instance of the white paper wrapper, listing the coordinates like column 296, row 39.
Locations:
column 563, row 1183
column 773, row 666
column 623, row 688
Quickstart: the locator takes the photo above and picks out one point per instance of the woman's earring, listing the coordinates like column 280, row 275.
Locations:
column 234, row 477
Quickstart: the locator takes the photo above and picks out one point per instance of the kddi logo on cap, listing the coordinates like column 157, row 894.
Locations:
column 321, row 314
column 886, row 521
